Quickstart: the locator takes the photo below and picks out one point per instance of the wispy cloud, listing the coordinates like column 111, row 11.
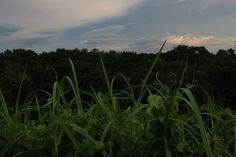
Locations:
column 189, row 40
column 110, row 32
column 43, row 41
column 110, row 38
column 43, row 15
column 37, row 41
column 7, row 29
column 145, row 44
column 107, row 37
column 199, row 9
column 213, row 43
column 180, row 1
column 36, row 23
column 78, row 23
column 221, row 43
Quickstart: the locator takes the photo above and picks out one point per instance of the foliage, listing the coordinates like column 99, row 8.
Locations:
column 216, row 72
column 163, row 122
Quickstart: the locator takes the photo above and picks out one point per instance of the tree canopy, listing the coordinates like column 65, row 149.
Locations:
column 215, row 72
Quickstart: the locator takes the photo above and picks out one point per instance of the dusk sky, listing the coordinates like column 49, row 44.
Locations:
column 131, row 25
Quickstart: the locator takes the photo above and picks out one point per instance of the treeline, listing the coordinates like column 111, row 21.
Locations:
column 181, row 66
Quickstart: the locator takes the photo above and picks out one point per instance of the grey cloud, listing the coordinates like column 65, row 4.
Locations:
column 44, row 39
column 41, row 41
column 8, row 29
column 38, row 15
column 148, row 45
column 110, row 38
column 49, row 33
column 97, row 41
column 181, row 1
column 85, row 20
column 102, row 36
column 36, row 41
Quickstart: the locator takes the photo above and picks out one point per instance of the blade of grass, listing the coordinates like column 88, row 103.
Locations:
column 104, row 134
column 108, row 84
column 4, row 106
column 235, row 141
column 17, row 117
column 54, row 97
column 76, row 88
column 142, row 91
column 77, row 96
column 38, row 108
column 183, row 73
column 83, row 132
column 127, row 83
column 72, row 137
column 193, row 105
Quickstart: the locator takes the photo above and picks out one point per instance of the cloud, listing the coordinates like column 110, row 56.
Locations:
column 145, row 44
column 44, row 41
column 197, row 9
column 104, row 38
column 37, row 41
column 153, row 44
column 189, row 40
column 38, row 22
column 211, row 42
column 221, row 43
column 7, row 29
column 156, row 5
column 180, row 1
column 203, row 8
column 110, row 37
column 44, row 15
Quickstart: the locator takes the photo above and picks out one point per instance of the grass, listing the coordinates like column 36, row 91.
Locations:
column 159, row 122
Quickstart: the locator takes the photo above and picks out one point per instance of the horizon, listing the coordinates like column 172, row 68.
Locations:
column 90, row 50
column 120, row 25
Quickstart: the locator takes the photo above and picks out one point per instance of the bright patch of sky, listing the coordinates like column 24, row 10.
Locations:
column 134, row 25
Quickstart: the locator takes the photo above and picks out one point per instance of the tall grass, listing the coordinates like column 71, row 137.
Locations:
column 159, row 122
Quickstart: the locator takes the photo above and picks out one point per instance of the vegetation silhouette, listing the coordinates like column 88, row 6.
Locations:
column 215, row 72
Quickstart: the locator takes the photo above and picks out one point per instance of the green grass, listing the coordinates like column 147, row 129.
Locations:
column 159, row 122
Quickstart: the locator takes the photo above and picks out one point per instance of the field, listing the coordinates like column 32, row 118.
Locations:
column 158, row 121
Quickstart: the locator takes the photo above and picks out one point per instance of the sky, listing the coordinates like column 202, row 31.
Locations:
column 122, row 25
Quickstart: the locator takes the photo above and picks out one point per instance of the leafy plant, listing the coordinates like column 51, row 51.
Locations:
column 161, row 121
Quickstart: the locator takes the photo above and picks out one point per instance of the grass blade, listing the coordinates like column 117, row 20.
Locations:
column 75, row 87
column 108, row 84
column 142, row 91
column 193, row 105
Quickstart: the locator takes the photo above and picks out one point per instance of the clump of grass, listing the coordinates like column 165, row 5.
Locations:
column 160, row 122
